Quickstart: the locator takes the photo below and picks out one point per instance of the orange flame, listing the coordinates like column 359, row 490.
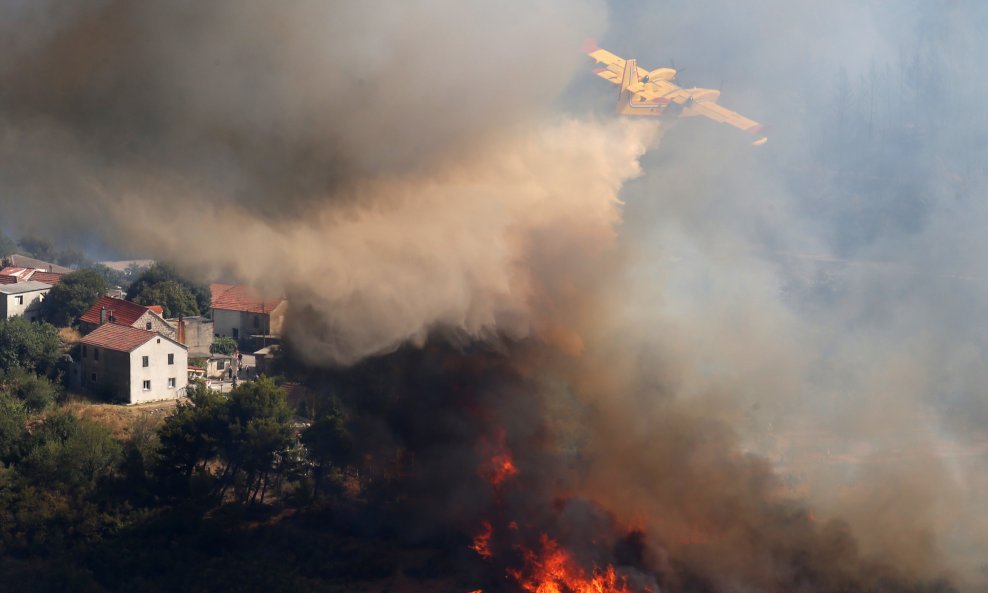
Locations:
column 553, row 570
column 501, row 466
column 500, row 469
column 482, row 541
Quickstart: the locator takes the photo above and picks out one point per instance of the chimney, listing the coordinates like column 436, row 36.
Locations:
column 181, row 331
column 102, row 315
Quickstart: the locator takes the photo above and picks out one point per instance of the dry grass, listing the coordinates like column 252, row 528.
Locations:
column 121, row 419
column 69, row 336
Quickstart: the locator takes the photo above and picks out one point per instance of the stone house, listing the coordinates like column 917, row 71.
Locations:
column 195, row 332
column 133, row 365
column 121, row 312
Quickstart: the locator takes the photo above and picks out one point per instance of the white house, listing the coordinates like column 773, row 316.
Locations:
column 23, row 298
column 132, row 364
column 240, row 313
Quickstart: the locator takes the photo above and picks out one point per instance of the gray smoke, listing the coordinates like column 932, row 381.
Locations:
column 398, row 169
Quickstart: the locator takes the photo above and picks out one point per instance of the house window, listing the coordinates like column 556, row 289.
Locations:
column 147, row 326
column 257, row 321
column 93, row 377
column 236, row 333
column 220, row 365
column 171, row 382
column 171, row 359
column 19, row 299
column 84, row 351
column 95, row 353
column 145, row 362
column 147, row 385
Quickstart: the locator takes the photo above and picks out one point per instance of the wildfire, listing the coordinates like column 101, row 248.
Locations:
column 482, row 541
column 553, row 570
column 500, row 467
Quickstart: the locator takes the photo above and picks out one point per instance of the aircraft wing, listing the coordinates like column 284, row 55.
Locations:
column 723, row 115
column 653, row 91
column 611, row 67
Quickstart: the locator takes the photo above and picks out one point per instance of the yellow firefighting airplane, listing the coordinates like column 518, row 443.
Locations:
column 654, row 94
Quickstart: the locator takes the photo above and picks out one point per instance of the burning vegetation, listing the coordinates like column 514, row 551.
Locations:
column 514, row 386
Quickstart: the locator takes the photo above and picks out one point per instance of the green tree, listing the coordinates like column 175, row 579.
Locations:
column 220, row 442
column 7, row 245
column 38, row 247
column 176, row 299
column 329, row 445
column 259, row 430
column 223, row 345
column 12, row 427
column 72, row 454
column 36, row 392
column 75, row 293
column 189, row 437
column 162, row 272
column 111, row 276
column 71, row 257
column 26, row 345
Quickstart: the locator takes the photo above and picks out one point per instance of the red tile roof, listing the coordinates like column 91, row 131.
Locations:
column 157, row 309
column 24, row 274
column 233, row 297
column 122, row 338
column 52, row 278
column 8, row 280
column 23, row 261
column 218, row 287
column 21, row 274
column 124, row 312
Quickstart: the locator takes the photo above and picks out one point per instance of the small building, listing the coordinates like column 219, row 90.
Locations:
column 133, row 365
column 240, row 313
column 13, row 274
column 195, row 332
column 23, row 298
column 22, row 261
column 213, row 366
column 266, row 359
column 121, row 312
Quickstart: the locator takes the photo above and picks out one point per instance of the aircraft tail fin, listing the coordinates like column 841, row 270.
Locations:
column 628, row 78
column 630, row 75
column 631, row 101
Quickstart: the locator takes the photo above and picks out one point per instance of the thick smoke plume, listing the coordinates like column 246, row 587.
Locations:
column 380, row 167
column 404, row 173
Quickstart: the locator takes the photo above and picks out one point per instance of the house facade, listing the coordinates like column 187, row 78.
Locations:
column 194, row 332
column 23, row 298
column 241, row 314
column 133, row 365
column 121, row 312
